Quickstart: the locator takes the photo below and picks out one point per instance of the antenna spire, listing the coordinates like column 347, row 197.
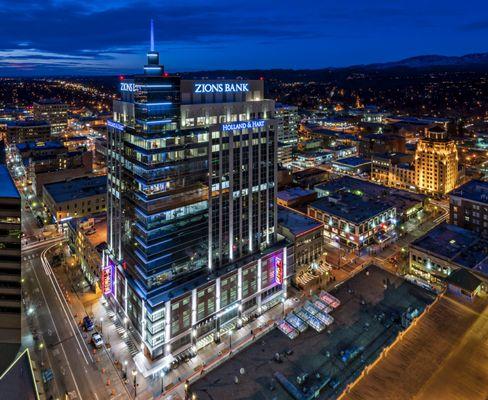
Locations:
column 152, row 35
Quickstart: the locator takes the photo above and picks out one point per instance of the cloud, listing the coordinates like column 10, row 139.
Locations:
column 219, row 33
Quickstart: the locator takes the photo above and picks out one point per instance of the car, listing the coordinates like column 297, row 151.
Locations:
column 97, row 340
column 88, row 323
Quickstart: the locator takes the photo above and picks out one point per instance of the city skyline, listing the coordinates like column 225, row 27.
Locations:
column 243, row 200
column 245, row 36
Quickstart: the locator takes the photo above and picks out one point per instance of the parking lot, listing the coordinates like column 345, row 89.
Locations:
column 368, row 319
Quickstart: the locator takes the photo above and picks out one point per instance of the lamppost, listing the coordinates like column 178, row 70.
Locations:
column 101, row 326
column 134, row 374
column 283, row 300
column 230, row 339
column 125, row 369
column 162, row 382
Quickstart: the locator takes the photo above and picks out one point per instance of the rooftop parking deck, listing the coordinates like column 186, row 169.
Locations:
column 367, row 320
column 442, row 357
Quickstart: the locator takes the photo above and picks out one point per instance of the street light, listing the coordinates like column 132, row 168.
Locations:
column 101, row 326
column 162, row 382
column 230, row 339
column 134, row 374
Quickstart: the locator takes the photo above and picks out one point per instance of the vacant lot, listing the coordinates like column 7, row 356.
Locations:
column 366, row 321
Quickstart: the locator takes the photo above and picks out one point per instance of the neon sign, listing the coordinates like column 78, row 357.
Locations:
column 107, row 278
column 259, row 123
column 220, row 87
column 115, row 125
column 128, row 87
column 278, row 271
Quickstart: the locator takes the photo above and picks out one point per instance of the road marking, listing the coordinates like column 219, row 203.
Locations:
column 57, row 333
column 64, row 305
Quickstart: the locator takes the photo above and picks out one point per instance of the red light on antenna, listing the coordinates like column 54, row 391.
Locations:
column 261, row 78
column 121, row 77
column 166, row 74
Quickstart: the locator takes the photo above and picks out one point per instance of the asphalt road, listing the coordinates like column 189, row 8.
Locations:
column 64, row 348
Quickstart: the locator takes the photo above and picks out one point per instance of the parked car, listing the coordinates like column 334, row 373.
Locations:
column 97, row 340
column 88, row 323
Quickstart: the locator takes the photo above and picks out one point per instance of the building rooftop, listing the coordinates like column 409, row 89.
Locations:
column 308, row 173
column 77, row 188
column 49, row 101
column 293, row 193
column 400, row 199
column 7, row 188
column 27, row 123
column 350, row 207
column 39, row 145
column 314, row 153
column 474, row 190
column 464, row 279
column 353, row 161
column 295, row 222
column 457, row 245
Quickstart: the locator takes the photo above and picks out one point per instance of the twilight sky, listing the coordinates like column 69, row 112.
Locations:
column 40, row 37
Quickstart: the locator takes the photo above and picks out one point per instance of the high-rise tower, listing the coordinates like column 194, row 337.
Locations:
column 436, row 162
column 193, row 248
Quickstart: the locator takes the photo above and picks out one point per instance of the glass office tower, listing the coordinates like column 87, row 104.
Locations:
column 193, row 250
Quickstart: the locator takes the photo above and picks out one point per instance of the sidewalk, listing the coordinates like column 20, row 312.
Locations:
column 83, row 304
column 119, row 358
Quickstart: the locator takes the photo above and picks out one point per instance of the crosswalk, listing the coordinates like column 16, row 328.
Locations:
column 122, row 332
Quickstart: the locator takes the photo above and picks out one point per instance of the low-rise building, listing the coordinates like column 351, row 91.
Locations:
column 445, row 249
column 285, row 154
column 75, row 198
column 393, row 169
column 28, row 130
column 372, row 143
column 342, row 151
column 352, row 220
column 407, row 204
column 295, row 197
column 309, row 177
column 468, row 206
column 306, row 234
column 311, row 159
column 54, row 111
column 352, row 165
column 89, row 239
column 52, row 161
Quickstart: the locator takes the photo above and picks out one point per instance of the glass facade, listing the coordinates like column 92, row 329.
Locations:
column 189, row 208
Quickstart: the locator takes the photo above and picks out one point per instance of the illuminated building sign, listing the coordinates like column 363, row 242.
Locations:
column 128, row 87
column 258, row 123
column 107, row 278
column 220, row 87
column 278, row 270
column 115, row 125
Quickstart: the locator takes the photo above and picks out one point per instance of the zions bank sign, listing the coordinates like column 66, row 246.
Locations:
column 221, row 87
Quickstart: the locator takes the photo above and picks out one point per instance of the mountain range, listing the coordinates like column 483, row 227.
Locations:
column 427, row 61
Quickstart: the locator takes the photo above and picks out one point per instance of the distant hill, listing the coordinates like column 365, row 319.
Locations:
column 428, row 61
column 468, row 62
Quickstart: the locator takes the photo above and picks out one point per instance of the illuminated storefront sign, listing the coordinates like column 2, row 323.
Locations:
column 115, row 125
column 220, row 87
column 258, row 123
column 107, row 278
column 278, row 270
column 128, row 87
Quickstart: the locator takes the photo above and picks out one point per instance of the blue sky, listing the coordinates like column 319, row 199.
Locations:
column 40, row 37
